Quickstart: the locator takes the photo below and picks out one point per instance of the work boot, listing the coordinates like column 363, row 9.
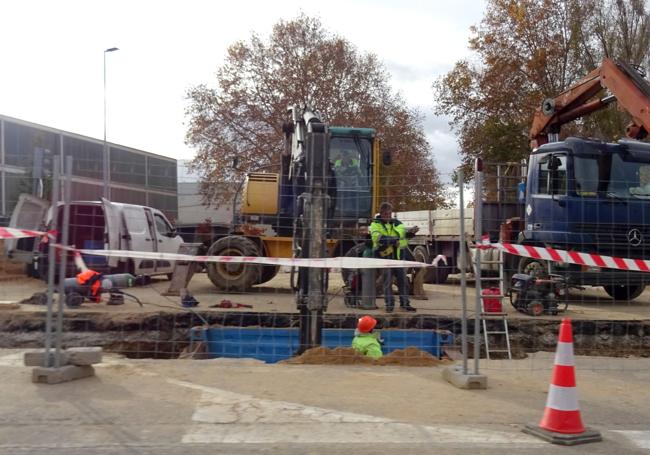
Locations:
column 408, row 308
column 389, row 308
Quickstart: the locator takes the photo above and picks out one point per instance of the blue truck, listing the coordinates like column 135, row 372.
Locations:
column 576, row 194
column 593, row 197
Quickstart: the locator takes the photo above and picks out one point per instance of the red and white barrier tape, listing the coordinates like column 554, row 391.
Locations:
column 569, row 257
column 11, row 233
column 338, row 262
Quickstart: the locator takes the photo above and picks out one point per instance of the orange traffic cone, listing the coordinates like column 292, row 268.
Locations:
column 561, row 423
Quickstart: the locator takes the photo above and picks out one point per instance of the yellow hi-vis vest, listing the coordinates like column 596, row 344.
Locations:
column 394, row 228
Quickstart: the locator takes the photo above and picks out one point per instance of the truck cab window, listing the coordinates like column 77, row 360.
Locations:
column 552, row 175
column 350, row 159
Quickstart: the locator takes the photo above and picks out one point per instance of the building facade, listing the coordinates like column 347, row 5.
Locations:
column 135, row 176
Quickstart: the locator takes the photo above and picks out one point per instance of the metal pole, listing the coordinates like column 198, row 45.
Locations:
column 105, row 155
column 3, row 190
column 64, row 256
column 463, row 276
column 51, row 263
column 478, row 228
column 106, row 160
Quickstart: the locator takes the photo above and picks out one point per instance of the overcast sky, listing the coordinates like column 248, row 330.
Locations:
column 51, row 55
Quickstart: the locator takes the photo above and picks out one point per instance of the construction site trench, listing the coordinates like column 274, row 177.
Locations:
column 167, row 334
column 161, row 329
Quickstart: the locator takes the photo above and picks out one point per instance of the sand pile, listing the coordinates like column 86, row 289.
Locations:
column 411, row 357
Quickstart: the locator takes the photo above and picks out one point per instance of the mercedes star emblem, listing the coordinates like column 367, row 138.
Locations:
column 635, row 237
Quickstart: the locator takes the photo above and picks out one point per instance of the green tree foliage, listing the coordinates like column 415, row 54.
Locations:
column 301, row 62
column 528, row 50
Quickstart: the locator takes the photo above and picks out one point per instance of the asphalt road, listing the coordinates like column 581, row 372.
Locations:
column 242, row 406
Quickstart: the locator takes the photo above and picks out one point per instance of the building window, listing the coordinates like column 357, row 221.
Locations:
column 161, row 174
column 127, row 167
column 22, row 141
column 87, row 157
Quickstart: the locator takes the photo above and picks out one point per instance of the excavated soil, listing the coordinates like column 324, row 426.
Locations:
column 410, row 357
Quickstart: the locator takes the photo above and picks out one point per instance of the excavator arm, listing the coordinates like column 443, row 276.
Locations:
column 627, row 87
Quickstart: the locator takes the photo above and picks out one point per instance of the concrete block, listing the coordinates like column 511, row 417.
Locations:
column 589, row 435
column 37, row 358
column 63, row 374
column 454, row 375
column 84, row 356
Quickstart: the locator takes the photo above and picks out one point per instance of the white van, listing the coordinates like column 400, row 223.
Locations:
column 97, row 225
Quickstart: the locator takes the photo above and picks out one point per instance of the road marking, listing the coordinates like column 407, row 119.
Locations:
column 225, row 417
column 641, row 439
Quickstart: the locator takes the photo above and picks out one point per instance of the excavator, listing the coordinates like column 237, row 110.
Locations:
column 588, row 195
column 269, row 220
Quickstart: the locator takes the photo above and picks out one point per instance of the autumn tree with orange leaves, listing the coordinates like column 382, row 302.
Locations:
column 528, row 50
column 240, row 116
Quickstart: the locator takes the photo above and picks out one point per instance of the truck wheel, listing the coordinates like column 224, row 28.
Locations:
column 268, row 273
column 533, row 267
column 624, row 292
column 233, row 277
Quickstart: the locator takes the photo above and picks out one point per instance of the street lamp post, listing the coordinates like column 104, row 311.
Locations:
column 105, row 160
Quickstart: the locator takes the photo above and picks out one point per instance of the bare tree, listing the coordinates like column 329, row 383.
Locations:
column 240, row 118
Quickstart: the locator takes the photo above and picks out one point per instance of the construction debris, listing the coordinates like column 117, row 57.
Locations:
column 411, row 357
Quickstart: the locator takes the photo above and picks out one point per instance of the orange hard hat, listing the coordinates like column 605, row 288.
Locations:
column 366, row 324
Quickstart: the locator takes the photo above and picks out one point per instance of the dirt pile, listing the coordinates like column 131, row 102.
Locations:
column 411, row 357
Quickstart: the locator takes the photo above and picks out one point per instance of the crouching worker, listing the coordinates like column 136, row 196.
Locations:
column 93, row 282
column 365, row 341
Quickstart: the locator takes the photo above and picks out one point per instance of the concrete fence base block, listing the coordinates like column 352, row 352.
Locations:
column 37, row 358
column 84, row 356
column 63, row 374
column 589, row 435
column 454, row 375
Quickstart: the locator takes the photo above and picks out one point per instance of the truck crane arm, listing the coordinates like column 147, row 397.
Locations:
column 627, row 87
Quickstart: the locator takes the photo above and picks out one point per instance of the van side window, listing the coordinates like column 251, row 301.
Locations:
column 552, row 181
column 161, row 225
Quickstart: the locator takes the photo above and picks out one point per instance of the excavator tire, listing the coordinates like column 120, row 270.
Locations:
column 234, row 277
column 268, row 273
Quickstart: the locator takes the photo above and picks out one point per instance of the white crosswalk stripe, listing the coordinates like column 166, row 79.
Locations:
column 226, row 417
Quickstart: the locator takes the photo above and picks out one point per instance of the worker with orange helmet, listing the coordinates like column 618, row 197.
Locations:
column 365, row 341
